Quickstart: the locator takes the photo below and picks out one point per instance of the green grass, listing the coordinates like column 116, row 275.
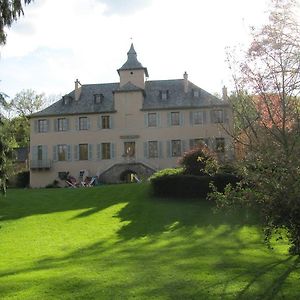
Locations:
column 117, row 242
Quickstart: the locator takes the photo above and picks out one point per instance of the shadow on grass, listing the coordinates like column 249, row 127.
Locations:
column 149, row 270
column 145, row 215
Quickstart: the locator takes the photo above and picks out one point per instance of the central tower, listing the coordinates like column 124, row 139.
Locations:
column 132, row 71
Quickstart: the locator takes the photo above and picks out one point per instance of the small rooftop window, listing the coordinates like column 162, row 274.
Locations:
column 67, row 100
column 196, row 93
column 98, row 98
column 164, row 95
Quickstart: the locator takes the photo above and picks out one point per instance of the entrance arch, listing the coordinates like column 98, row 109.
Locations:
column 128, row 176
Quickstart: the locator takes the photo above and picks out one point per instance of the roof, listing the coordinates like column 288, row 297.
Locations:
column 132, row 62
column 177, row 98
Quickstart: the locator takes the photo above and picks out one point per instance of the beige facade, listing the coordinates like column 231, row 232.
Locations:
column 132, row 122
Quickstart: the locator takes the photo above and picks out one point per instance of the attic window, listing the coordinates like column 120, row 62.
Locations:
column 66, row 100
column 164, row 95
column 196, row 93
column 98, row 98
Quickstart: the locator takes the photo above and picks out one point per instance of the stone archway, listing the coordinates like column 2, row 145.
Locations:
column 118, row 172
column 128, row 176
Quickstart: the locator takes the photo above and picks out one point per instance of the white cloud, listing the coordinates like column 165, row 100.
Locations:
column 59, row 41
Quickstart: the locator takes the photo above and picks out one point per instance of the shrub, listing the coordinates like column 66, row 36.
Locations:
column 22, row 179
column 199, row 161
column 54, row 184
column 186, row 186
column 166, row 172
column 220, row 180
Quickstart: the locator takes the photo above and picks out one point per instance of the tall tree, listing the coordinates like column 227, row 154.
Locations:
column 269, row 120
column 10, row 11
column 27, row 102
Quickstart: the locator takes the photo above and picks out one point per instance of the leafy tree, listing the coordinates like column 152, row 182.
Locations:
column 199, row 161
column 27, row 102
column 269, row 124
column 10, row 11
column 6, row 153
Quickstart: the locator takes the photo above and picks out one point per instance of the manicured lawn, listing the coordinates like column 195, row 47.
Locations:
column 117, row 242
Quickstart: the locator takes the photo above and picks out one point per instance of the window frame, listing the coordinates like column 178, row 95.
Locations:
column 62, row 124
column 83, row 123
column 175, row 121
column 152, row 122
column 83, row 155
column 153, row 153
column 105, row 150
column 176, row 143
column 63, row 147
column 43, row 125
column 105, row 122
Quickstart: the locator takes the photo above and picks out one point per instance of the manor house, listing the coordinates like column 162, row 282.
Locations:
column 134, row 126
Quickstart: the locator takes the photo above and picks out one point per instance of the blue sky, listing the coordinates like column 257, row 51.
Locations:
column 58, row 41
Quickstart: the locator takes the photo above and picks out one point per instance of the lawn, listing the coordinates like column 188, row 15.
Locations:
column 118, row 242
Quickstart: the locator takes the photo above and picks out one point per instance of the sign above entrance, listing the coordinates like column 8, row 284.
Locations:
column 129, row 137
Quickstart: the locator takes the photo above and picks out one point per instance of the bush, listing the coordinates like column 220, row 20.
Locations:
column 54, row 184
column 186, row 186
column 199, row 161
column 22, row 179
column 190, row 186
column 166, row 172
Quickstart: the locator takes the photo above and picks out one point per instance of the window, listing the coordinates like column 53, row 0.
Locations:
column 152, row 120
column 153, row 149
column 62, row 152
column 42, row 125
column 220, row 145
column 129, row 149
column 198, row 117
column 98, row 98
column 62, row 124
column 83, row 123
column 105, row 150
column 218, row 116
column 175, row 148
column 164, row 95
column 83, row 152
column 105, row 122
column 196, row 93
column 39, row 152
column 175, row 118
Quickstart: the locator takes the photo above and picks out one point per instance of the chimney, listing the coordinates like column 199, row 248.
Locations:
column 224, row 93
column 186, row 82
column 77, row 90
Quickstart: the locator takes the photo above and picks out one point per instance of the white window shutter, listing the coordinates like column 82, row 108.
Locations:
column 76, row 152
column 69, row 153
column 112, row 151
column 90, row 152
column 55, row 156
column 99, row 122
column 160, row 149
column 146, row 152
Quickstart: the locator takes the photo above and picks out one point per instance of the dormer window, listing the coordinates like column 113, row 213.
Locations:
column 164, row 95
column 196, row 93
column 98, row 98
column 66, row 100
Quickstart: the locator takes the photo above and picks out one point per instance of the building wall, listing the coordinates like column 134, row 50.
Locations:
column 129, row 124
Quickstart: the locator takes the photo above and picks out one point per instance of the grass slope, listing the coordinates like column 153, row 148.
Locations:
column 116, row 242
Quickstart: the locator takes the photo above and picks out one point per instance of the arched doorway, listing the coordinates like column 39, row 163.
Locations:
column 128, row 176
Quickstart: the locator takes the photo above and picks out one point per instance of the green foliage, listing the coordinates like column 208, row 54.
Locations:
column 27, row 102
column 96, row 243
column 22, row 180
column 186, row 186
column 20, row 129
column 6, row 153
column 10, row 11
column 166, row 172
column 199, row 161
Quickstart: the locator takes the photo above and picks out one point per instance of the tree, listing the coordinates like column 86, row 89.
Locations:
column 268, row 117
column 27, row 102
column 10, row 11
column 6, row 153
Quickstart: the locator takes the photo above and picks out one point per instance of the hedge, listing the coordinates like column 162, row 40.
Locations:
column 189, row 186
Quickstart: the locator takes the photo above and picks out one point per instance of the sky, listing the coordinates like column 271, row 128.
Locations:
column 56, row 41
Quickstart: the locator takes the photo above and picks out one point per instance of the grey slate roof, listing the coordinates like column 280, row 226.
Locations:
column 132, row 62
column 177, row 98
